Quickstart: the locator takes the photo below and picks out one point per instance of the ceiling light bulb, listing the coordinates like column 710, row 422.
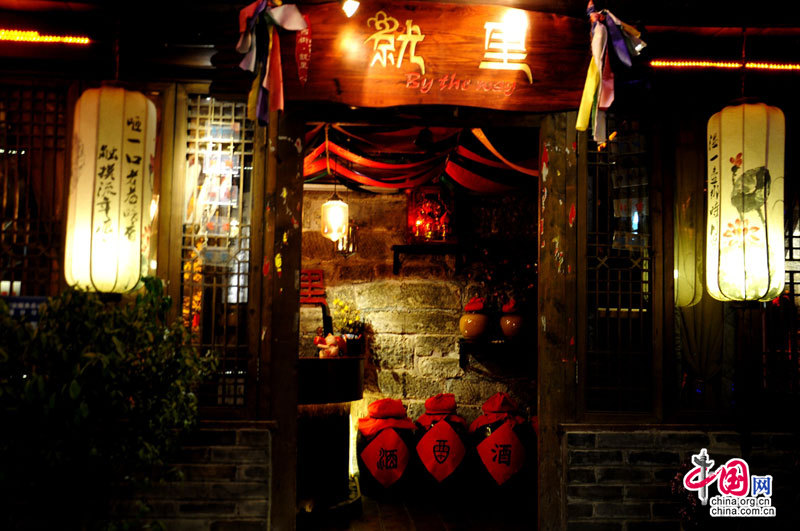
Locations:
column 350, row 7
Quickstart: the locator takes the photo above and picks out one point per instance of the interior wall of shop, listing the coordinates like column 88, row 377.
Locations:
column 412, row 318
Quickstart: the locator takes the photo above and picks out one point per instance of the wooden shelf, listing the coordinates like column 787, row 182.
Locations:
column 434, row 248
column 500, row 358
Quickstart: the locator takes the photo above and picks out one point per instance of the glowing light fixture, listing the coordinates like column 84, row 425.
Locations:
column 744, row 228
column 335, row 215
column 335, row 212
column 350, row 7
column 724, row 65
column 515, row 25
column 34, row 37
column 111, row 203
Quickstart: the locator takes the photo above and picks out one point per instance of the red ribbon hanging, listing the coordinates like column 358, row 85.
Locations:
column 408, row 181
column 473, row 181
column 363, row 161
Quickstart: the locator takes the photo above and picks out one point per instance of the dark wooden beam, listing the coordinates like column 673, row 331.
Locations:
column 281, row 306
column 557, row 327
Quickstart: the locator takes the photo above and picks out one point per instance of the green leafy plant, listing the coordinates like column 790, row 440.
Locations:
column 93, row 397
column 346, row 318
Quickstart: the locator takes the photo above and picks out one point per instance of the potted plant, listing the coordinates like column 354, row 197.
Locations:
column 92, row 400
column 473, row 323
column 347, row 319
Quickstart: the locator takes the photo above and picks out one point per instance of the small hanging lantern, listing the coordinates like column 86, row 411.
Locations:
column 335, row 213
column 334, row 218
column 745, row 243
column 348, row 243
column 111, row 190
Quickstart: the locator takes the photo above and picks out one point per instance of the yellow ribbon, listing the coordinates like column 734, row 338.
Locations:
column 587, row 100
column 479, row 134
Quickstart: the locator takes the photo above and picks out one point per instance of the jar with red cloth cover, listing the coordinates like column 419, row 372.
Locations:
column 385, row 448
column 442, row 446
column 504, row 457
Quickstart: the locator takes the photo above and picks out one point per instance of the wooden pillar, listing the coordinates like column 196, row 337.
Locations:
column 280, row 307
column 561, row 210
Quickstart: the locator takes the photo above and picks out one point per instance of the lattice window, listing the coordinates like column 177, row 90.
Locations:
column 780, row 361
column 216, row 240
column 618, row 370
column 33, row 184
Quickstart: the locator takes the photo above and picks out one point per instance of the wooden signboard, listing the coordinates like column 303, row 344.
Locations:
column 416, row 53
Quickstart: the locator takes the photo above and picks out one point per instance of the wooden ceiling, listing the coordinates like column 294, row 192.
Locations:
column 182, row 39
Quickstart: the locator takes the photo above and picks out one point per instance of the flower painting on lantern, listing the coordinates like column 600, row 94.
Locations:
column 745, row 244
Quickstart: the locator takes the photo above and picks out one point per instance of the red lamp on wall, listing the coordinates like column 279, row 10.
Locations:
column 430, row 215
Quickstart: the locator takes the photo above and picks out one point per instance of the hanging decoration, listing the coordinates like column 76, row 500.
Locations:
column 468, row 160
column 302, row 52
column 288, row 17
column 598, row 91
column 429, row 214
column 335, row 212
column 348, row 244
column 110, row 206
column 744, row 229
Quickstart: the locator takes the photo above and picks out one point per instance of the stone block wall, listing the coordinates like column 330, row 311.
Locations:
column 413, row 349
column 225, row 485
column 620, row 480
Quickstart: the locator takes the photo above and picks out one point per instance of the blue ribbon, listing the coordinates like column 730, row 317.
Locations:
column 618, row 42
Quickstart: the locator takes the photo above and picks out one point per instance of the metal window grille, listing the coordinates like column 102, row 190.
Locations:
column 33, row 184
column 618, row 371
column 780, row 359
column 216, row 241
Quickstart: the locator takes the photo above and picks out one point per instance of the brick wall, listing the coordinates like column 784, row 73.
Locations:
column 412, row 317
column 619, row 480
column 226, row 482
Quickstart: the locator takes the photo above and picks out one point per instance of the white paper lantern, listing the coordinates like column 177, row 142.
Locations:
column 744, row 229
column 335, row 214
column 111, row 189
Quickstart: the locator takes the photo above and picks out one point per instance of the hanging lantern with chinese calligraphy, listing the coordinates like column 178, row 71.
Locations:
column 111, row 190
column 334, row 218
column 744, row 242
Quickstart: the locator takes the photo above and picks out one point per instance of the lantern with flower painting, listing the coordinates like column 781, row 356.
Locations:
column 111, row 206
column 744, row 230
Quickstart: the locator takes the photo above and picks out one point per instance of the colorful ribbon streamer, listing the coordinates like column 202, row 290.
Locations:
column 481, row 136
column 598, row 89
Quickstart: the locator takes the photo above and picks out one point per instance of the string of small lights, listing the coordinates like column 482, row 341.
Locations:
column 728, row 65
column 33, row 36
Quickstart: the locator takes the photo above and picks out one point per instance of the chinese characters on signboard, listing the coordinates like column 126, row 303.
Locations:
column 504, row 49
column 505, row 44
